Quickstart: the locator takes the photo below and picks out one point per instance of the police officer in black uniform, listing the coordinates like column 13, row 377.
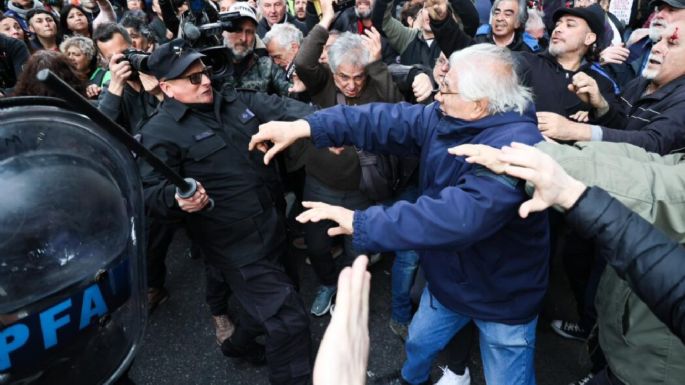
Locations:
column 204, row 134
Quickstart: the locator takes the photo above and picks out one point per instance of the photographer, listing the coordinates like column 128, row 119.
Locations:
column 252, row 71
column 127, row 99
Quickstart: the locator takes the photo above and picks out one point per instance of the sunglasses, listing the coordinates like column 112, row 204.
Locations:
column 196, row 78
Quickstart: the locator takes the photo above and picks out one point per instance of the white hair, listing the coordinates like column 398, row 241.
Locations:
column 535, row 20
column 348, row 48
column 284, row 35
column 488, row 72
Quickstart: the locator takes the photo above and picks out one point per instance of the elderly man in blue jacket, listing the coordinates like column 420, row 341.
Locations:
column 481, row 260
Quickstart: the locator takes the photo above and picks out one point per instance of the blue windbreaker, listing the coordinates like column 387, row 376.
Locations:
column 479, row 257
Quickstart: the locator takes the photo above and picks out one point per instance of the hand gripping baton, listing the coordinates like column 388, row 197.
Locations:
column 185, row 188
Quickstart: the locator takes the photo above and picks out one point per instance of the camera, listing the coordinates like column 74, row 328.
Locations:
column 137, row 59
column 202, row 28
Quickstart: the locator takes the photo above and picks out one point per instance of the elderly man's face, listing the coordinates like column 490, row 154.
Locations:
column 273, row 11
column 665, row 15
column 301, row 9
column 453, row 104
column 242, row 41
column 350, row 79
column 363, row 8
column 185, row 91
column 571, row 34
column 505, row 18
column 665, row 62
column 282, row 56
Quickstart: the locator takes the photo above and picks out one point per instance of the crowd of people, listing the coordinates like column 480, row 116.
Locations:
column 436, row 132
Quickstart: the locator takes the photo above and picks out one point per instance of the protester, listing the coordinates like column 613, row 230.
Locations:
column 494, row 256
column 274, row 12
column 81, row 54
column 74, row 21
column 45, row 32
column 9, row 26
column 649, row 113
column 27, row 84
column 251, row 70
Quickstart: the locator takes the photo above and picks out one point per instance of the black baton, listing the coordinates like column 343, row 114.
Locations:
column 185, row 188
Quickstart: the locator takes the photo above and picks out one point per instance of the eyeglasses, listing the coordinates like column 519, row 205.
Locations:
column 442, row 87
column 196, row 78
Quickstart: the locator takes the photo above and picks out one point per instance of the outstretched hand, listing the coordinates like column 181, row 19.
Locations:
column 280, row 134
column 481, row 154
column 553, row 186
column 344, row 350
column 321, row 211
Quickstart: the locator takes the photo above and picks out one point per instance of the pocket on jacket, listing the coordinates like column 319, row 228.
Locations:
column 206, row 147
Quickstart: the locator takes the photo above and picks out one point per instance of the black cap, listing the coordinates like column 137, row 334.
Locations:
column 678, row 4
column 593, row 15
column 172, row 59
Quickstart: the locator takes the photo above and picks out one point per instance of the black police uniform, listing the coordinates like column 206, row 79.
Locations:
column 244, row 235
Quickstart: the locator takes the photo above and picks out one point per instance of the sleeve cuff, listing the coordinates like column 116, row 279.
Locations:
column 360, row 239
column 596, row 133
column 317, row 136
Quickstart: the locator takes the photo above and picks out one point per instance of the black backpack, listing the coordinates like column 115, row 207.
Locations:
column 380, row 175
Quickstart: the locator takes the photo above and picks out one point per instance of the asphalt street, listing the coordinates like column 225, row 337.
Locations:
column 179, row 347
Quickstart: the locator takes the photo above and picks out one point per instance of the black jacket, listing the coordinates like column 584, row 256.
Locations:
column 451, row 38
column 263, row 26
column 550, row 81
column 209, row 144
column 13, row 55
column 130, row 109
column 642, row 255
column 655, row 122
column 540, row 71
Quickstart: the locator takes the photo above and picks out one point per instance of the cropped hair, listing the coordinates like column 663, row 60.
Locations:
column 284, row 35
column 349, row 48
column 486, row 71
column 105, row 33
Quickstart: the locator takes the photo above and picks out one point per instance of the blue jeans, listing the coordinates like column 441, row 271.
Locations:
column 507, row 350
column 403, row 269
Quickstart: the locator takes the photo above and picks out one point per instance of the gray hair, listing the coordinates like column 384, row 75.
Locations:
column 83, row 43
column 522, row 11
column 487, row 71
column 349, row 48
column 284, row 35
column 535, row 19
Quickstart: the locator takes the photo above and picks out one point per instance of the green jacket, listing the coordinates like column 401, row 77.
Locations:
column 639, row 348
column 259, row 73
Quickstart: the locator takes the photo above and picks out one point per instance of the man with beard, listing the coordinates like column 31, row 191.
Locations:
column 42, row 25
column 274, row 12
column 251, row 71
column 573, row 46
column 306, row 12
column 625, row 64
column 649, row 113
